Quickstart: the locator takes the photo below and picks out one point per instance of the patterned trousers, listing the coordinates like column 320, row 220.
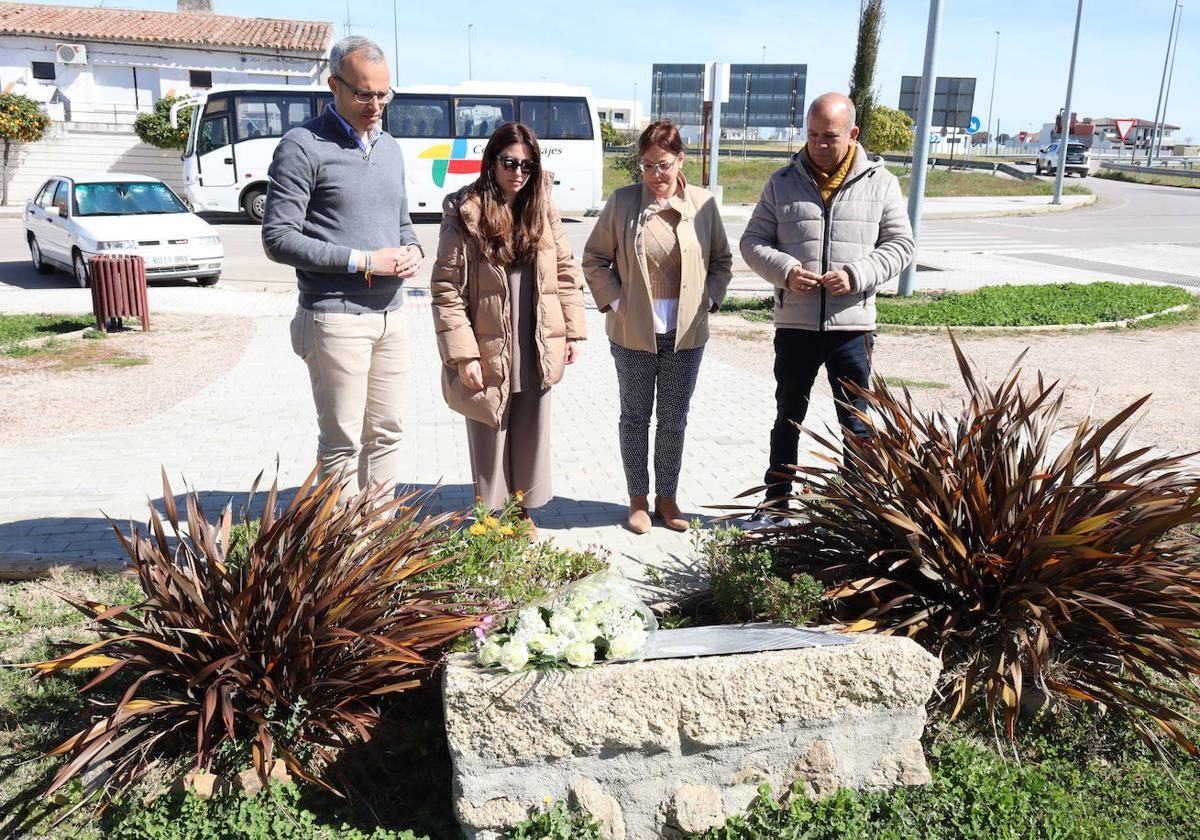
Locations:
column 671, row 376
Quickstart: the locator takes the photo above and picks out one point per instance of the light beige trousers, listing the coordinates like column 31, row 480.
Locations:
column 515, row 456
column 357, row 365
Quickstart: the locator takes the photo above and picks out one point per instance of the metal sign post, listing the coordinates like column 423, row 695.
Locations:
column 916, row 184
column 716, row 84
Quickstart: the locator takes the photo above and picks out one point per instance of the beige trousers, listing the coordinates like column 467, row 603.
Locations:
column 357, row 364
column 517, row 455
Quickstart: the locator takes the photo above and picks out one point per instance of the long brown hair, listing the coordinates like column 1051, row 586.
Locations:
column 510, row 234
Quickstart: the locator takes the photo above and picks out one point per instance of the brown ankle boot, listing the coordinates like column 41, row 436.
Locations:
column 639, row 514
column 530, row 528
column 669, row 512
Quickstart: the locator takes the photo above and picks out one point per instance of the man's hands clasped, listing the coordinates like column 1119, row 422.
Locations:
column 396, row 262
column 836, row 282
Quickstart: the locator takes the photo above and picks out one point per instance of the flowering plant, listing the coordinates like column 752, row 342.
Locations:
column 594, row 619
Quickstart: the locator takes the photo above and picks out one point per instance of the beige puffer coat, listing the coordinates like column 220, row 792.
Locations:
column 471, row 308
column 865, row 230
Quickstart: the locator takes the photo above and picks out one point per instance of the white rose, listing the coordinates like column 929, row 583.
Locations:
column 587, row 631
column 489, row 654
column 626, row 644
column 562, row 624
column 546, row 643
column 580, row 654
column 513, row 656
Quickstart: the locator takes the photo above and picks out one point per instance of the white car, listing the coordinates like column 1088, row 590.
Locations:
column 72, row 219
column 1079, row 159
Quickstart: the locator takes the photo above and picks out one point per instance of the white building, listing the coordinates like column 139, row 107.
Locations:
column 624, row 114
column 104, row 66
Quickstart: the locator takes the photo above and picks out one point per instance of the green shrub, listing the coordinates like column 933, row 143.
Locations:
column 275, row 814
column 743, row 584
column 155, row 128
column 975, row 794
column 557, row 822
column 1028, row 566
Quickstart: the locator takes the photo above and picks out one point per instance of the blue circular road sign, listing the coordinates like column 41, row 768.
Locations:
column 973, row 126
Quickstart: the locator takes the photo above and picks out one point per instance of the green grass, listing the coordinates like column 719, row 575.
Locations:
column 16, row 328
column 1014, row 306
column 1147, row 178
column 913, row 384
column 126, row 361
column 743, row 179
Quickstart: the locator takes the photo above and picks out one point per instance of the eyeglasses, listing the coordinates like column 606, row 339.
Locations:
column 658, row 168
column 512, row 164
column 364, row 97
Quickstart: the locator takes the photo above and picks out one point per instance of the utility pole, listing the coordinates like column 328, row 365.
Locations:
column 992, row 95
column 916, row 183
column 1064, row 139
column 469, row 76
column 1161, row 85
column 396, row 37
column 1170, row 77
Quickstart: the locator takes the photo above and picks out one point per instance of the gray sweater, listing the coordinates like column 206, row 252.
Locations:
column 323, row 201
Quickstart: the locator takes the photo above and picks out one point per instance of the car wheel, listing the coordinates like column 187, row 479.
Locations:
column 39, row 262
column 254, row 203
column 79, row 264
column 211, row 280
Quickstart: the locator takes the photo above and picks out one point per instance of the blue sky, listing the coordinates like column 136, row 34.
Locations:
column 610, row 46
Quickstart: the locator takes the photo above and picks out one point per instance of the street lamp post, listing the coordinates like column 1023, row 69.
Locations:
column 1162, row 129
column 396, row 37
column 1161, row 85
column 992, row 95
column 920, row 162
column 469, row 25
column 1064, row 138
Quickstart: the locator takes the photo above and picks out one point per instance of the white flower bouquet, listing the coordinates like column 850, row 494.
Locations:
column 594, row 619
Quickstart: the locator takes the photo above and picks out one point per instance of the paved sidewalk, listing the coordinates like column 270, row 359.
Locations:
column 53, row 492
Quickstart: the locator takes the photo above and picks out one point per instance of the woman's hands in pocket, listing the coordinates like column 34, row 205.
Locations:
column 471, row 374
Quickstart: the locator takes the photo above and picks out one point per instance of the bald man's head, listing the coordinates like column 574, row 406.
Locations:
column 832, row 130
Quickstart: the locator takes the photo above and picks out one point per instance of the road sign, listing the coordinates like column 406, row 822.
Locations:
column 935, row 138
column 1123, row 127
column 973, row 125
column 1022, row 135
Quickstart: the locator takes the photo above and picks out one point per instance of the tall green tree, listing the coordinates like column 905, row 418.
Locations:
column 862, row 77
column 22, row 120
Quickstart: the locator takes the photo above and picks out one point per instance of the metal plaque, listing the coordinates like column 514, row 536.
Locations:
column 723, row 640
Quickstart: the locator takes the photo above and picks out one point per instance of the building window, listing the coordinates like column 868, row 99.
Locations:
column 200, row 78
column 43, row 71
column 619, row 116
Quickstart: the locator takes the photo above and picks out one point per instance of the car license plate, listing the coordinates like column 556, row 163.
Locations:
column 166, row 260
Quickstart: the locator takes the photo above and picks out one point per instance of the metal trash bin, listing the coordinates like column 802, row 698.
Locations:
column 118, row 289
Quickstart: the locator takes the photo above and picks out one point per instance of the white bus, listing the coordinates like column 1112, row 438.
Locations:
column 442, row 131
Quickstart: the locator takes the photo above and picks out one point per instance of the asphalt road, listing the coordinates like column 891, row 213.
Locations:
column 1126, row 214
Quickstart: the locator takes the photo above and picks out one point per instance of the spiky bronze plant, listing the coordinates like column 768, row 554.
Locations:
column 1023, row 553
column 289, row 648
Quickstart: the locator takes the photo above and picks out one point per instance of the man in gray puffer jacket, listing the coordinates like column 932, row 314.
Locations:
column 829, row 229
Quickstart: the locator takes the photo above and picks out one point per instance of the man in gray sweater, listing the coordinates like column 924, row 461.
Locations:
column 336, row 210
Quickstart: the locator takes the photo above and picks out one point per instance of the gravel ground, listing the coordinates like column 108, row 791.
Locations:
column 131, row 375
column 1101, row 370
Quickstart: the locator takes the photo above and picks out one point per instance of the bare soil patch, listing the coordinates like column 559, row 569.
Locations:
column 1102, row 371
column 90, row 385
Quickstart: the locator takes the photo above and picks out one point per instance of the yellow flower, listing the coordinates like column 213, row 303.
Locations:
column 477, row 530
column 506, row 531
column 492, row 522
column 520, row 496
column 478, row 500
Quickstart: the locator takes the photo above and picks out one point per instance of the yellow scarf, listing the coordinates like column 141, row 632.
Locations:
column 829, row 182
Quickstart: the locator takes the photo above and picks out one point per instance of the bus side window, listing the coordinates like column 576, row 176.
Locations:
column 418, row 116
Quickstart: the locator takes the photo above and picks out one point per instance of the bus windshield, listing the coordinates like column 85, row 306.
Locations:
column 125, row 198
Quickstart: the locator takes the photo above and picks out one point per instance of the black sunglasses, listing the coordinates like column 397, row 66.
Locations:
column 511, row 164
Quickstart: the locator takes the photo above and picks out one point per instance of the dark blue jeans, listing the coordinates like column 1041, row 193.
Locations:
column 799, row 355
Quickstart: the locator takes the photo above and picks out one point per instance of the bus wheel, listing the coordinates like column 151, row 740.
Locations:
column 254, row 203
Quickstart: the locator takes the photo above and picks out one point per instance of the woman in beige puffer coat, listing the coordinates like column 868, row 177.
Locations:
column 508, row 311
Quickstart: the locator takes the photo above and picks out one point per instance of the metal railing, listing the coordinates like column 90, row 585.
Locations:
column 1186, row 170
